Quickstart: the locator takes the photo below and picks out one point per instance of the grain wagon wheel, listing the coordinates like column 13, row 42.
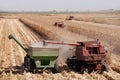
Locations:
column 29, row 64
column 26, row 61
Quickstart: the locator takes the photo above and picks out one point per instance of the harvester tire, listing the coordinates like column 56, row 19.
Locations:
column 105, row 68
column 83, row 69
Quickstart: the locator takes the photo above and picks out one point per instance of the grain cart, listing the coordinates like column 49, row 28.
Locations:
column 39, row 56
column 89, row 56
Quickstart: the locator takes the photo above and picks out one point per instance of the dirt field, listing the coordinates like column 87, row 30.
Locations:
column 12, row 55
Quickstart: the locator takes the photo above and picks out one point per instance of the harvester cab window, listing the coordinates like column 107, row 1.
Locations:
column 95, row 50
column 92, row 50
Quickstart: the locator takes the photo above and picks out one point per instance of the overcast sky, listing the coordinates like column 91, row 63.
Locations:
column 58, row 5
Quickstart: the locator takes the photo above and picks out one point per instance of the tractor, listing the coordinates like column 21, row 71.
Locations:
column 38, row 55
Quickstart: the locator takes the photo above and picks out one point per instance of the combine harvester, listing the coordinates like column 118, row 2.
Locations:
column 89, row 56
column 59, row 24
column 70, row 18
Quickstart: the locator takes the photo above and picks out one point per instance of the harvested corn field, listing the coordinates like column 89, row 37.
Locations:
column 36, row 28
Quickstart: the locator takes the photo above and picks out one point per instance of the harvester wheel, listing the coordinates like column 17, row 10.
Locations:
column 104, row 68
column 77, row 67
column 83, row 69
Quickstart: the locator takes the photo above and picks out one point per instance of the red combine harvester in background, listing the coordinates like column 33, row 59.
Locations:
column 89, row 56
column 59, row 24
column 70, row 18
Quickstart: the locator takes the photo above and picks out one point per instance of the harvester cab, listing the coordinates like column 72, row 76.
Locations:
column 39, row 56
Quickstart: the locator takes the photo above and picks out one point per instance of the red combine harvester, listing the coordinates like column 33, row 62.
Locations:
column 70, row 18
column 59, row 24
column 89, row 56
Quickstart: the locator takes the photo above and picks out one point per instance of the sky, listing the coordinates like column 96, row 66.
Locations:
column 58, row 5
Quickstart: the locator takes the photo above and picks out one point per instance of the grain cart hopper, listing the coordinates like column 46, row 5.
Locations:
column 89, row 56
column 39, row 56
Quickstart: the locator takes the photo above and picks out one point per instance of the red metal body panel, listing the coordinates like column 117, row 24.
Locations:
column 90, row 51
